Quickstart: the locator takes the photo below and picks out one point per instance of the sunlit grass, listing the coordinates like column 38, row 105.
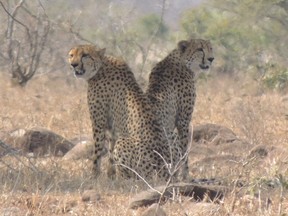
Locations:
column 43, row 186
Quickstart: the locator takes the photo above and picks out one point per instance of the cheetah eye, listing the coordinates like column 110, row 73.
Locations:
column 200, row 49
column 85, row 55
column 71, row 55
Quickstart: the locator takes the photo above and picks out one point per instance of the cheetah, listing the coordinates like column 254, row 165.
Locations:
column 117, row 104
column 171, row 88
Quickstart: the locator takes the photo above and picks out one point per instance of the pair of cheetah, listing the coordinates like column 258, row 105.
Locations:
column 141, row 123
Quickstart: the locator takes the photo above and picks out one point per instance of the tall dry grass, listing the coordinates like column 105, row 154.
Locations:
column 54, row 102
column 52, row 186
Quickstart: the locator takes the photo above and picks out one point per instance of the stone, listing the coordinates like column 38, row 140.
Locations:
column 43, row 142
column 90, row 196
column 80, row 151
column 196, row 191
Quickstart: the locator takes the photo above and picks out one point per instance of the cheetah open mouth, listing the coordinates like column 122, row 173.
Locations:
column 204, row 67
column 79, row 73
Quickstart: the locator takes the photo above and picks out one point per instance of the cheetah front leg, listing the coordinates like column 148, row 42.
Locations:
column 99, row 151
column 99, row 125
column 111, row 170
column 183, row 126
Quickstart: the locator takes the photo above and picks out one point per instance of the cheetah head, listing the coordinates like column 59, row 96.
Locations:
column 86, row 60
column 196, row 54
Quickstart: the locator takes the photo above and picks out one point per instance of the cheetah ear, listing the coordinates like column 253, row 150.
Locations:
column 182, row 45
column 101, row 52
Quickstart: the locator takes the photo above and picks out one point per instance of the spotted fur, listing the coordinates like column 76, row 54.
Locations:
column 117, row 103
column 171, row 88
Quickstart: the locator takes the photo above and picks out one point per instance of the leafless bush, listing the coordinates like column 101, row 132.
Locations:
column 26, row 36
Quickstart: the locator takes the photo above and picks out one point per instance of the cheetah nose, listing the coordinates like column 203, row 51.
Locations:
column 74, row 65
column 210, row 59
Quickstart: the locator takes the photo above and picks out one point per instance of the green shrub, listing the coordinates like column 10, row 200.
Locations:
column 275, row 77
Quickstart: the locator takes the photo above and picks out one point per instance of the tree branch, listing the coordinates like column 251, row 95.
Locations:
column 12, row 16
column 153, row 36
column 30, row 46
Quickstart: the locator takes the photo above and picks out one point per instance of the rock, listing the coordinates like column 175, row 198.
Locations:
column 209, row 139
column 43, row 142
column 18, row 132
column 217, row 150
column 79, row 151
column 196, row 191
column 81, row 139
column 213, row 133
column 154, row 210
column 259, row 151
column 219, row 164
column 90, row 196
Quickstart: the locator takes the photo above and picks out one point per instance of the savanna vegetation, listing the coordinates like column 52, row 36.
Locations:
column 245, row 90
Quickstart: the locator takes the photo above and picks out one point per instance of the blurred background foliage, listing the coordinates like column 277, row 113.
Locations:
column 249, row 37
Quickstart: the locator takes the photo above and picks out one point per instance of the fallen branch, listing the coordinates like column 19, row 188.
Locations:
column 196, row 191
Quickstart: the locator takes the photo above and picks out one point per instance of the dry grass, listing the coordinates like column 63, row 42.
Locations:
column 56, row 103
column 51, row 186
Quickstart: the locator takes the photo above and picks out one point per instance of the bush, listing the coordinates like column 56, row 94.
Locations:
column 275, row 77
